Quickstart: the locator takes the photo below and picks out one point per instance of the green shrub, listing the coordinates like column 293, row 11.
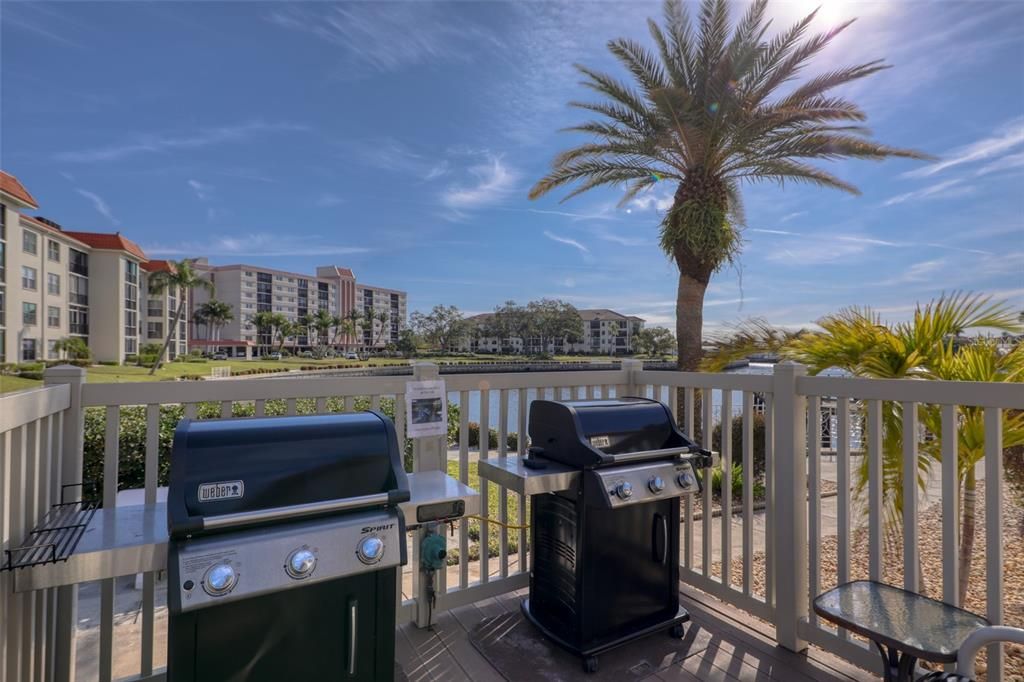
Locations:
column 31, row 375
column 108, row 363
column 131, row 359
column 151, row 349
column 147, row 360
column 737, row 442
column 512, row 439
column 30, row 367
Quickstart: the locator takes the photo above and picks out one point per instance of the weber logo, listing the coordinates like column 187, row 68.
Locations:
column 374, row 529
column 225, row 490
column 600, row 441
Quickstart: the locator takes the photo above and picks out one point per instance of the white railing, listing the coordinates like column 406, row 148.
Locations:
column 732, row 553
column 31, row 433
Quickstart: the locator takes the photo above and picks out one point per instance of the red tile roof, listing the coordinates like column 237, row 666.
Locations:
column 113, row 242
column 35, row 222
column 158, row 266
column 10, row 185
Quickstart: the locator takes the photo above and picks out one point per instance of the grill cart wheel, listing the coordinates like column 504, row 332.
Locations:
column 677, row 631
column 590, row 664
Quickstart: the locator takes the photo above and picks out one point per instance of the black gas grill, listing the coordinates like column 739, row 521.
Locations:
column 605, row 552
column 286, row 545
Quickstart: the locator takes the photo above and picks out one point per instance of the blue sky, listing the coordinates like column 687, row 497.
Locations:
column 400, row 139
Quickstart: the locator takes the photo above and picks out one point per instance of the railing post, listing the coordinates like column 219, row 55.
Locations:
column 429, row 454
column 790, row 497
column 71, row 456
column 632, row 368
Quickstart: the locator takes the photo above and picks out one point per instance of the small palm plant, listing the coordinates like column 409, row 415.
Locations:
column 181, row 279
column 704, row 113
column 926, row 347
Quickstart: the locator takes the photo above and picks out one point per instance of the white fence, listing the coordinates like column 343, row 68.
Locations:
column 42, row 440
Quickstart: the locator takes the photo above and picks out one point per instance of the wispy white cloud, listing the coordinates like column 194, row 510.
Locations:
column 765, row 231
column 491, row 182
column 386, row 37
column 438, row 170
column 790, row 216
column 99, row 204
column 940, row 190
column 254, row 244
column 1008, row 162
column 651, row 200
column 566, row 240
column 329, row 199
column 1008, row 136
column 203, row 191
column 152, row 143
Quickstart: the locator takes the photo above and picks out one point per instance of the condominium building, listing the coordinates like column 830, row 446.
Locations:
column 251, row 289
column 604, row 332
column 57, row 283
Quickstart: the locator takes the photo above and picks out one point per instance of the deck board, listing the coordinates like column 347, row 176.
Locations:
column 740, row 651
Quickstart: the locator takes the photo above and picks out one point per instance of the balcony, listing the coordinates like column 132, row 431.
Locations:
column 747, row 582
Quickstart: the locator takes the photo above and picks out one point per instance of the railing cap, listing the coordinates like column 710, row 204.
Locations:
column 63, row 374
column 790, row 367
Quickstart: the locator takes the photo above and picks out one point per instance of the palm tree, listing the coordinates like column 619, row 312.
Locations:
column 214, row 315
column 704, row 113
column 383, row 316
column 352, row 325
column 857, row 341
column 322, row 322
column 269, row 323
column 180, row 278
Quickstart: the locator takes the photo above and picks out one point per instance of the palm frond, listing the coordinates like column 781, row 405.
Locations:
column 680, row 33
column 785, row 170
column 819, row 85
column 642, row 64
column 741, row 341
column 788, row 67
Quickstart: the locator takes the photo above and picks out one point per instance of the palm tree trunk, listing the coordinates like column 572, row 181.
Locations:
column 167, row 340
column 967, row 530
column 689, row 321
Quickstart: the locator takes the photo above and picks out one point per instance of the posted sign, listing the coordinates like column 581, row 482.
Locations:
column 426, row 409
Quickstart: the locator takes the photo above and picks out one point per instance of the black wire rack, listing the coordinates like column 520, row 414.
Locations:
column 55, row 537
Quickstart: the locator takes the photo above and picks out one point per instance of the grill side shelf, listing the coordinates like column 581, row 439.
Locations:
column 54, row 539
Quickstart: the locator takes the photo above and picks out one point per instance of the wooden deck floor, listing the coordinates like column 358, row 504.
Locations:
column 737, row 650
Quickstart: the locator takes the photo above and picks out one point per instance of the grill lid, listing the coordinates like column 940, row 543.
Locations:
column 227, row 473
column 595, row 433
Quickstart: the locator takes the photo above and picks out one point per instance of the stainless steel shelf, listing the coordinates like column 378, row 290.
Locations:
column 511, row 473
column 133, row 539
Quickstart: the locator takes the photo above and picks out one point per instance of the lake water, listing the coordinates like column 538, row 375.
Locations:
column 494, row 399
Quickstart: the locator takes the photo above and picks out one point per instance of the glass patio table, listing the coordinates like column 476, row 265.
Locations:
column 905, row 626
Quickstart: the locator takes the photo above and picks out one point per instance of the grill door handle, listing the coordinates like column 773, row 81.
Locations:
column 659, row 530
column 353, row 623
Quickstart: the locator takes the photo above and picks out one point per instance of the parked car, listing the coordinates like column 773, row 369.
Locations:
column 306, row 354
column 351, row 356
column 274, row 356
column 220, row 356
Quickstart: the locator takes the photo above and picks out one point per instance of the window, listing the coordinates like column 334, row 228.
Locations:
column 51, row 349
column 53, row 250
column 78, row 262
column 28, row 278
column 78, row 321
column 131, row 345
column 28, row 313
column 52, row 316
column 154, row 308
column 53, row 284
column 78, row 290
column 29, row 242
column 28, row 349
column 154, row 330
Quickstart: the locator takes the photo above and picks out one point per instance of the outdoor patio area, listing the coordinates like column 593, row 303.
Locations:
column 732, row 647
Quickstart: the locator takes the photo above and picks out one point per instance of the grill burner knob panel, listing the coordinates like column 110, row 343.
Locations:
column 219, row 580
column 686, row 479
column 624, row 490
column 301, row 563
column 370, row 550
column 656, row 484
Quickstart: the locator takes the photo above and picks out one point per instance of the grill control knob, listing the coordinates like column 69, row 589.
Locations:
column 656, row 484
column 219, row 580
column 685, row 479
column 624, row 490
column 370, row 550
column 301, row 563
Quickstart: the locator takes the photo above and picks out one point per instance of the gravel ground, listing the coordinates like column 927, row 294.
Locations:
column 930, row 533
column 827, row 488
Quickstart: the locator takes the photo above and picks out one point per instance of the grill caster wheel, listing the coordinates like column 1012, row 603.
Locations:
column 590, row 664
column 677, row 631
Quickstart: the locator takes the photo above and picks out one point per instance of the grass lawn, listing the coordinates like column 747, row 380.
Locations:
column 105, row 374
